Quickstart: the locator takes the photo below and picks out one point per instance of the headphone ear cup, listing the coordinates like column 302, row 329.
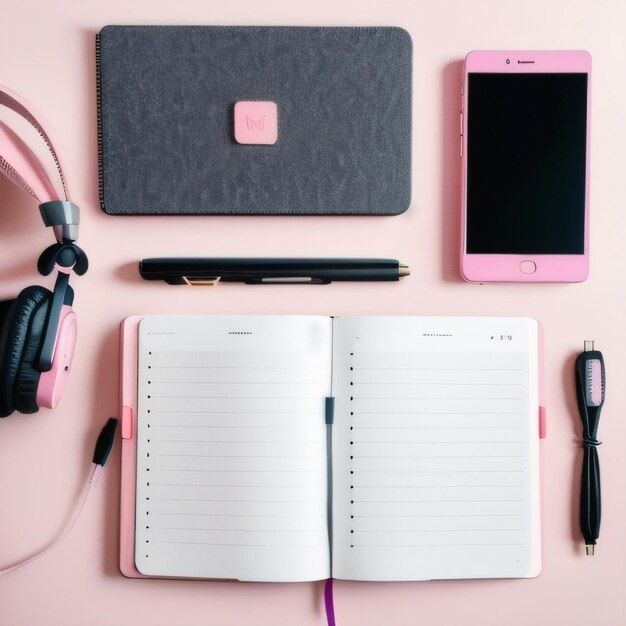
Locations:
column 20, row 340
column 5, row 306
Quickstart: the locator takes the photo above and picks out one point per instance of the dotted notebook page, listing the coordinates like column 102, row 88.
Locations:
column 435, row 448
column 231, row 457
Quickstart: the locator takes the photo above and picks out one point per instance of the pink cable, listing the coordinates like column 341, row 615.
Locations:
column 93, row 477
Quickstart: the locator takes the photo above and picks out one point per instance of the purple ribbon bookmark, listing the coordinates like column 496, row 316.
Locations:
column 329, row 603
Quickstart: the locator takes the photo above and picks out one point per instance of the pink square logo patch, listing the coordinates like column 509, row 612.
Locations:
column 256, row 122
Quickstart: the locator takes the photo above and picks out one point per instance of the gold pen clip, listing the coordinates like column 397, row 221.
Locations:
column 201, row 282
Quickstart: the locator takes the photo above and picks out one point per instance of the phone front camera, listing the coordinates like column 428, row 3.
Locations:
column 508, row 61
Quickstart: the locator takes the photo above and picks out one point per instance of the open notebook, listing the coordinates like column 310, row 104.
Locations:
column 430, row 469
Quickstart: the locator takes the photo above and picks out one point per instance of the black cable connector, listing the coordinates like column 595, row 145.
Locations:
column 105, row 442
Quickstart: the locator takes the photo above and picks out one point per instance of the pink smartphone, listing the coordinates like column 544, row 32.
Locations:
column 525, row 166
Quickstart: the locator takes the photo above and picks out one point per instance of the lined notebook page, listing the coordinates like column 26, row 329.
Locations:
column 231, row 454
column 435, row 448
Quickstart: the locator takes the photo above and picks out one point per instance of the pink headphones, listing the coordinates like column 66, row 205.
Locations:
column 38, row 328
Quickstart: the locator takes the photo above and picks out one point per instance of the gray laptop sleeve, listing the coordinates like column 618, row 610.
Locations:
column 167, row 141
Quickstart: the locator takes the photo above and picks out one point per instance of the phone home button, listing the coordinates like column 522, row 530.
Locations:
column 528, row 267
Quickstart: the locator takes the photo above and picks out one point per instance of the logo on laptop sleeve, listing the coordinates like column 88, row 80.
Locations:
column 256, row 122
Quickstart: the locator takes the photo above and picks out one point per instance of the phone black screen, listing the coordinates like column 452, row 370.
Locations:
column 526, row 156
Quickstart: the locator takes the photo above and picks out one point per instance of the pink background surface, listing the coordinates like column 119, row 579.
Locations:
column 47, row 53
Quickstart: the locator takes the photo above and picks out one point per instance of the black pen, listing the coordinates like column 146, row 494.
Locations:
column 262, row 271
column 590, row 389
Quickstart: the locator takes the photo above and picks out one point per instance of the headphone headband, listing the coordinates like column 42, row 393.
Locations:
column 22, row 166
column 26, row 110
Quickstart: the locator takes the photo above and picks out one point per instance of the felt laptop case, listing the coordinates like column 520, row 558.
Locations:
column 254, row 120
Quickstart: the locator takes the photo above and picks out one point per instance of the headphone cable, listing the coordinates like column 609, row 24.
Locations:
column 101, row 453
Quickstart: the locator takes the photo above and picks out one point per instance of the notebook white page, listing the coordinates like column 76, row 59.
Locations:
column 231, row 447
column 435, row 448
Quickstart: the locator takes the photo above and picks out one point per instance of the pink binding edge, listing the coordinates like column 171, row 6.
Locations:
column 550, row 268
column 128, row 414
column 537, row 521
